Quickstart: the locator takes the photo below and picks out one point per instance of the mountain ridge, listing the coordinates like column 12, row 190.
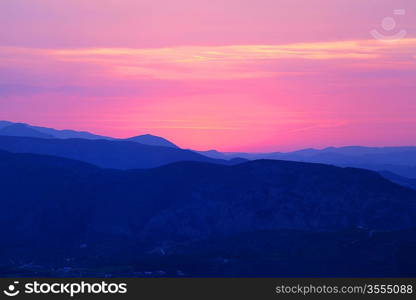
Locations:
column 22, row 130
column 117, row 154
column 399, row 160
column 186, row 215
column 26, row 130
column 152, row 140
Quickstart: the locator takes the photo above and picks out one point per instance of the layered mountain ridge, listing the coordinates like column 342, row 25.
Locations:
column 167, row 217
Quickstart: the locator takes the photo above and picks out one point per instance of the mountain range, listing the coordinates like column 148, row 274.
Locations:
column 115, row 154
column 256, row 218
column 393, row 161
column 79, row 204
column 21, row 129
column 399, row 160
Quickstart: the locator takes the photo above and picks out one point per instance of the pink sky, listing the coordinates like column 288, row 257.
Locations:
column 234, row 75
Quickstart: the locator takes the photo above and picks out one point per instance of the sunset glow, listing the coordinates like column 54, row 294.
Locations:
column 231, row 77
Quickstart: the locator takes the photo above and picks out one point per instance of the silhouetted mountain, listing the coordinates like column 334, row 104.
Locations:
column 20, row 129
column 265, row 195
column 104, row 153
column 152, row 140
column 70, row 134
column 237, row 160
column 56, row 209
column 407, row 182
column 399, row 160
column 215, row 154
column 26, row 130
column 4, row 124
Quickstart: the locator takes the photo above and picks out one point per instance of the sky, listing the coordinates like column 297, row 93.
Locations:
column 234, row 75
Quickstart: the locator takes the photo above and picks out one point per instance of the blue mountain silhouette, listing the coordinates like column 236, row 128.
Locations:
column 116, row 154
column 20, row 129
column 23, row 129
column 253, row 219
column 152, row 140
column 400, row 160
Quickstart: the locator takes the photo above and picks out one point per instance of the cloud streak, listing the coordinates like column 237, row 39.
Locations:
column 269, row 96
column 230, row 62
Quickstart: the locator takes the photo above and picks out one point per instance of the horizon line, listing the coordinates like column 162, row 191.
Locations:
column 213, row 149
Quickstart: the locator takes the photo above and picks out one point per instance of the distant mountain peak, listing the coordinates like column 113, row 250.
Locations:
column 148, row 135
column 27, row 130
column 8, row 128
column 22, row 129
column 152, row 140
column 4, row 123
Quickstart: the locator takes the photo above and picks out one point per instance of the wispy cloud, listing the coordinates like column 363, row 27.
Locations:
column 217, row 95
column 228, row 62
column 208, row 62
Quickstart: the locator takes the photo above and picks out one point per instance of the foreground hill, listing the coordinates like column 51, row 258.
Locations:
column 104, row 153
column 57, row 210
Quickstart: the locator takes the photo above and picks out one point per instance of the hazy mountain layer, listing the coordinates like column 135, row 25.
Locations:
column 201, row 219
column 103, row 153
column 26, row 130
column 400, row 160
